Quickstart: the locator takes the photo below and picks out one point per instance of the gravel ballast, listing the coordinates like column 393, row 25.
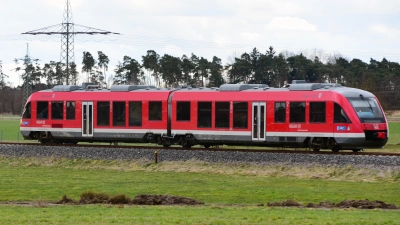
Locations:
column 102, row 152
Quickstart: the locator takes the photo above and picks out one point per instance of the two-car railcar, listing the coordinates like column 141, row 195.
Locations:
column 318, row 116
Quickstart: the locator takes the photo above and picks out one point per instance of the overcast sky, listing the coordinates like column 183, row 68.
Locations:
column 360, row 29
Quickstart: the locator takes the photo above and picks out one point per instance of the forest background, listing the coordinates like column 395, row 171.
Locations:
column 380, row 77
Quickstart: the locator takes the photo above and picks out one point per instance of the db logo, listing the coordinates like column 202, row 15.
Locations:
column 376, row 126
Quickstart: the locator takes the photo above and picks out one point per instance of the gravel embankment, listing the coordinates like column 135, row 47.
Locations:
column 379, row 162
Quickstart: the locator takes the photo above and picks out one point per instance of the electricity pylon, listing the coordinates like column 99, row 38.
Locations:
column 67, row 29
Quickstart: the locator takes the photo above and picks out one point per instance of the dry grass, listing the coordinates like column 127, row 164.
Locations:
column 348, row 173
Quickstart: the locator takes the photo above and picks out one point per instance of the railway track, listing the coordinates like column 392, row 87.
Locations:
column 286, row 151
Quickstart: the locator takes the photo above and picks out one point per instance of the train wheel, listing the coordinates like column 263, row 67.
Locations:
column 206, row 146
column 166, row 145
column 316, row 149
column 356, row 150
column 336, row 149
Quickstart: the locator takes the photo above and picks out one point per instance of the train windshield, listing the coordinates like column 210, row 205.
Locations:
column 367, row 109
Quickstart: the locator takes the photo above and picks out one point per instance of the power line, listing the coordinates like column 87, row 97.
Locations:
column 67, row 29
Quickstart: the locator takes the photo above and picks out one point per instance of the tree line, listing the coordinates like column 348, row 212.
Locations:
column 257, row 67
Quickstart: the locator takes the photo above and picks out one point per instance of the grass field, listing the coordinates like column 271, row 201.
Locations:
column 233, row 194
column 229, row 198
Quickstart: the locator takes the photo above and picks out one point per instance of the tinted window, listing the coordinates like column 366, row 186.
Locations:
column 298, row 112
column 119, row 114
column 280, row 112
column 183, row 111
column 204, row 114
column 57, row 110
column 70, row 110
column 155, row 111
column 240, row 114
column 103, row 114
column 317, row 112
column 27, row 111
column 135, row 113
column 339, row 116
column 42, row 110
column 222, row 114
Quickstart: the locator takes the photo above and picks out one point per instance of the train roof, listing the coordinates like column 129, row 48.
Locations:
column 296, row 86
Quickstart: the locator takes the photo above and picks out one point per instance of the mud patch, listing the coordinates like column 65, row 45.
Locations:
column 359, row 204
column 163, row 200
column 101, row 198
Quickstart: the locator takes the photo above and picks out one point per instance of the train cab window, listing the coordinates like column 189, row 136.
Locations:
column 135, row 113
column 70, row 110
column 27, row 111
column 204, row 114
column 280, row 112
column 317, row 112
column 240, row 115
column 119, row 114
column 222, row 114
column 298, row 112
column 42, row 110
column 57, row 110
column 183, row 111
column 103, row 114
column 155, row 111
column 339, row 116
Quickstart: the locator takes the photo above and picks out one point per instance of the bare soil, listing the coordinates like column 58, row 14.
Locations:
column 98, row 198
column 359, row 204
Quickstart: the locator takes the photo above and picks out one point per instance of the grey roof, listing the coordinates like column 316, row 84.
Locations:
column 241, row 87
column 65, row 88
column 122, row 88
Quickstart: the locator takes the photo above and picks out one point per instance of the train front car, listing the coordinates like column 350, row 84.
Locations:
column 366, row 117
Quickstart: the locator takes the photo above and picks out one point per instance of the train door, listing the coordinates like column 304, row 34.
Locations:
column 87, row 119
column 258, row 124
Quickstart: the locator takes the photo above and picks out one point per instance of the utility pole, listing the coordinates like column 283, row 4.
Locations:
column 67, row 29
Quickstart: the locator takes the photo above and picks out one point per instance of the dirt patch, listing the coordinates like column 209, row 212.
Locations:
column 365, row 204
column 163, row 200
column 359, row 204
column 287, row 203
column 101, row 198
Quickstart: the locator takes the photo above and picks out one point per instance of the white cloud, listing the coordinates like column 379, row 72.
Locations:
column 290, row 23
column 173, row 50
column 385, row 31
column 251, row 36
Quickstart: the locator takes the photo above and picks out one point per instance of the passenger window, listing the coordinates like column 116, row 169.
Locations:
column 222, row 114
column 339, row 116
column 298, row 112
column 42, row 110
column 183, row 111
column 70, row 110
column 27, row 111
column 155, row 111
column 317, row 112
column 103, row 114
column 135, row 113
column 57, row 110
column 204, row 114
column 119, row 114
column 280, row 112
column 240, row 112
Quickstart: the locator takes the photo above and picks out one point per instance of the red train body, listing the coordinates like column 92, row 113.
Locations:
column 318, row 116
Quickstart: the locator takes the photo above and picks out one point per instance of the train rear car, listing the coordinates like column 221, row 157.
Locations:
column 317, row 116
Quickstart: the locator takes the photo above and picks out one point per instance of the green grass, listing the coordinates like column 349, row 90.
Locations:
column 94, row 214
column 229, row 198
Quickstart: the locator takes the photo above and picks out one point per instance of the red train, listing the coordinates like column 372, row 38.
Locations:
column 314, row 115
